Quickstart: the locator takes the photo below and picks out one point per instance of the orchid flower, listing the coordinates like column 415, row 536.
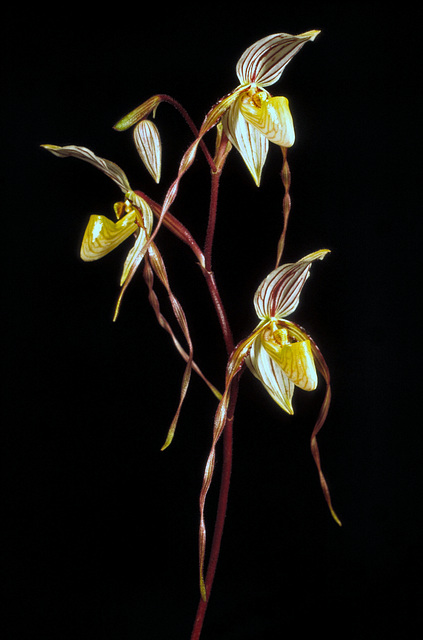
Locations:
column 102, row 235
column 282, row 356
column 250, row 116
column 255, row 117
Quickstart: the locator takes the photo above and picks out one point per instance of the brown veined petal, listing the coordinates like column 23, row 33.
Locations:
column 278, row 295
column 144, row 210
column 134, row 256
column 274, row 380
column 295, row 360
column 147, row 142
column 272, row 118
column 264, row 61
column 103, row 235
column 248, row 140
column 106, row 166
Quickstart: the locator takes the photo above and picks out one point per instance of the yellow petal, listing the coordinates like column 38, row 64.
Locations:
column 295, row 360
column 103, row 235
column 271, row 116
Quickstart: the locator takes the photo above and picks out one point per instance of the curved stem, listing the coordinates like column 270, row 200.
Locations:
column 190, row 123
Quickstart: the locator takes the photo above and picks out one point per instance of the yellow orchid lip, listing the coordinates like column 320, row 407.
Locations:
column 294, row 358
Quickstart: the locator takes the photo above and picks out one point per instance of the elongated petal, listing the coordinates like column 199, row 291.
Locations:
column 139, row 249
column 154, row 301
column 103, row 235
column 272, row 118
column 247, row 139
column 264, row 61
column 295, row 360
column 278, row 295
column 147, row 142
column 270, row 374
column 299, row 333
column 106, row 166
column 235, row 364
column 145, row 214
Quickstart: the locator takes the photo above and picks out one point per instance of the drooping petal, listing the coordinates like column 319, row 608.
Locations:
column 106, row 166
column 247, row 139
column 147, row 142
column 274, row 380
column 144, row 217
column 235, row 365
column 295, row 360
column 145, row 214
column 102, row 235
column 299, row 334
column 278, row 295
column 264, row 61
column 154, row 301
column 134, row 256
column 271, row 116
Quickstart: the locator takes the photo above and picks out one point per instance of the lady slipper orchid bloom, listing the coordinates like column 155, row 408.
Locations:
column 102, row 235
column 251, row 117
column 255, row 117
column 282, row 356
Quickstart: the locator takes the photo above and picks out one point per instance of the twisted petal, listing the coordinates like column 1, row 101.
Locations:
column 103, row 235
column 106, row 166
column 264, row 61
column 272, row 117
column 249, row 141
column 270, row 374
column 299, row 334
column 278, row 295
column 147, row 142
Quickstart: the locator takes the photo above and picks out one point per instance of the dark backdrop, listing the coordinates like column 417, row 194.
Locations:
column 100, row 526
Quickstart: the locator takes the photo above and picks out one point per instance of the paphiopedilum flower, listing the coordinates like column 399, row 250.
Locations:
column 254, row 117
column 282, row 356
column 251, row 117
column 134, row 218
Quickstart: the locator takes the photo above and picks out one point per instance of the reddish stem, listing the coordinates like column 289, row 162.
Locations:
column 190, row 123
column 220, row 515
column 228, row 429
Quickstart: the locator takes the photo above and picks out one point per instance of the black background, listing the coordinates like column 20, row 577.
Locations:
column 100, row 526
